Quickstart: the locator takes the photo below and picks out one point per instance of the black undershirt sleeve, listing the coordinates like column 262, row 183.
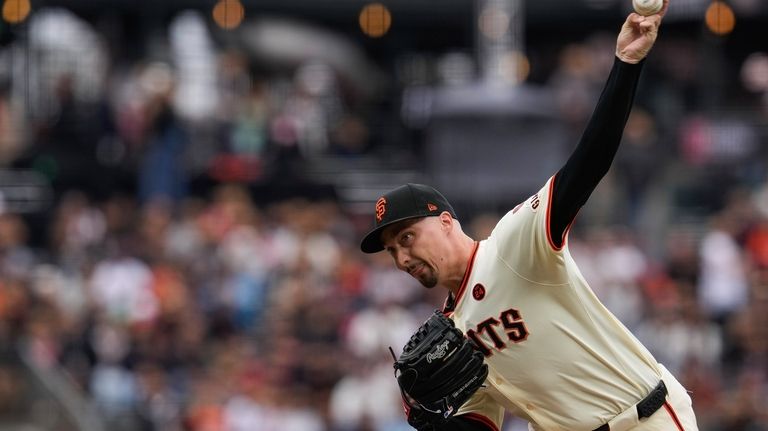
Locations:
column 590, row 161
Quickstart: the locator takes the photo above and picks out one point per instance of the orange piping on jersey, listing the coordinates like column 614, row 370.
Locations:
column 672, row 413
column 450, row 305
column 464, row 281
column 482, row 419
column 548, row 226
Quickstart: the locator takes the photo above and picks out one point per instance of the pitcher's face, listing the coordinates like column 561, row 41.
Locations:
column 416, row 246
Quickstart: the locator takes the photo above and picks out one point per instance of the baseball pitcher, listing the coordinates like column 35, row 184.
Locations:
column 521, row 330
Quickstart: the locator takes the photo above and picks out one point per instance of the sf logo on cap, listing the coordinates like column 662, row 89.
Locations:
column 381, row 208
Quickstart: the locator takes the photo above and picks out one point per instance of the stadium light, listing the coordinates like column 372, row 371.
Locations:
column 16, row 11
column 720, row 18
column 228, row 14
column 375, row 20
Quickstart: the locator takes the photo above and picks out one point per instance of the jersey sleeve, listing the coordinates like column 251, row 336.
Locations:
column 522, row 240
column 481, row 407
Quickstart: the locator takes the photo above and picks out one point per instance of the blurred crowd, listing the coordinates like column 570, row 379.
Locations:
column 228, row 310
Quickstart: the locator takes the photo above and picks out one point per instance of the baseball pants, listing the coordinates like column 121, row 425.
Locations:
column 676, row 414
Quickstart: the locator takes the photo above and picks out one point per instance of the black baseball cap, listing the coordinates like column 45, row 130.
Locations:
column 403, row 203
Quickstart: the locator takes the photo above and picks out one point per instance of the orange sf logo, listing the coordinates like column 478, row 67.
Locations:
column 381, row 208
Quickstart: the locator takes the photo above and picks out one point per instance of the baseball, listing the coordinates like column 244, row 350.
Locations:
column 647, row 7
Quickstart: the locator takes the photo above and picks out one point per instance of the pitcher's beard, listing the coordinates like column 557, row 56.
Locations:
column 429, row 281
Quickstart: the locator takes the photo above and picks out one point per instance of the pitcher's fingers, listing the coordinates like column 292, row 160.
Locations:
column 650, row 23
column 635, row 18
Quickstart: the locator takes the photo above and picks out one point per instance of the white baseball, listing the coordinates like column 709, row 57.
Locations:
column 647, row 7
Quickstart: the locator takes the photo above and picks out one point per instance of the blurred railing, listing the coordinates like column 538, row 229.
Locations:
column 37, row 399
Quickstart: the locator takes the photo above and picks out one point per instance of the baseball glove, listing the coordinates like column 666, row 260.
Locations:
column 437, row 372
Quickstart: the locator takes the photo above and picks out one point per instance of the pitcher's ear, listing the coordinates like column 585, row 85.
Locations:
column 446, row 219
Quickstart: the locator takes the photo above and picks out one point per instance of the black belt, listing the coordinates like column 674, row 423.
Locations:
column 648, row 405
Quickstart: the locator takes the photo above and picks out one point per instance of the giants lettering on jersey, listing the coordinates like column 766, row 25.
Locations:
column 534, row 201
column 488, row 335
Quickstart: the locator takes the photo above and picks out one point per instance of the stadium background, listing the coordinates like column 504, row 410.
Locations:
column 183, row 185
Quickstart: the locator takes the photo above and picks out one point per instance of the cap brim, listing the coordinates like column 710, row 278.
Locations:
column 371, row 243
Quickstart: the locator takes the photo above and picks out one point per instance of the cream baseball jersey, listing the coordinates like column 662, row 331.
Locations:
column 557, row 356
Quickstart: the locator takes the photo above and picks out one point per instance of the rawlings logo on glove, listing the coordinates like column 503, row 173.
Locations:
column 440, row 351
